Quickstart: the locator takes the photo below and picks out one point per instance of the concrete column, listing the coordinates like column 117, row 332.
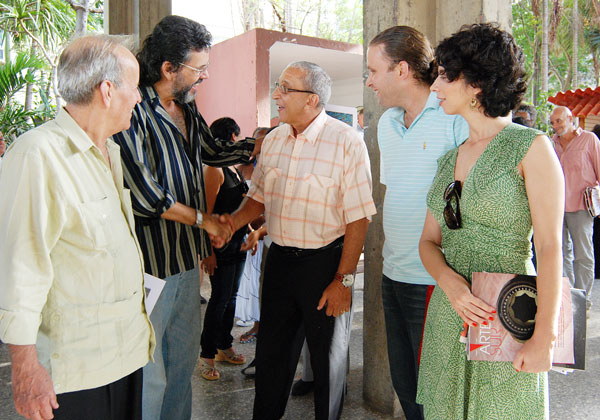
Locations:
column 437, row 19
column 450, row 16
column 120, row 16
column 150, row 13
column 135, row 17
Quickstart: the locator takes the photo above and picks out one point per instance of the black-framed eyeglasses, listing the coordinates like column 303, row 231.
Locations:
column 452, row 216
column 198, row 70
column 285, row 90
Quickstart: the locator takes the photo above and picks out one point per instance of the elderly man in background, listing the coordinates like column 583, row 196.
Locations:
column 163, row 152
column 528, row 113
column 360, row 118
column 579, row 153
column 72, row 301
column 313, row 183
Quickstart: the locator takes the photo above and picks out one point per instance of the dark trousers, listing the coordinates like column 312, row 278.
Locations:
column 404, row 306
column 220, row 311
column 120, row 400
column 293, row 285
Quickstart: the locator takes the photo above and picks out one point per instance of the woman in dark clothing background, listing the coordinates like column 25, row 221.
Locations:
column 225, row 189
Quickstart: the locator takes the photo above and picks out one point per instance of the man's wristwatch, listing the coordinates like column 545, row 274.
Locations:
column 198, row 219
column 347, row 280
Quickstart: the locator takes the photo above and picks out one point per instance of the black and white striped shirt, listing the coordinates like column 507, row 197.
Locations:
column 162, row 168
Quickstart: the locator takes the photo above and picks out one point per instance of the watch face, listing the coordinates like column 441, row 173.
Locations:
column 348, row 280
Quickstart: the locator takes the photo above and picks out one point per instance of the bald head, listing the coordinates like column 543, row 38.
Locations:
column 561, row 120
column 562, row 110
column 88, row 61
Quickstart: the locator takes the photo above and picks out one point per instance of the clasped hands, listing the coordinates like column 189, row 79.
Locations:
column 220, row 228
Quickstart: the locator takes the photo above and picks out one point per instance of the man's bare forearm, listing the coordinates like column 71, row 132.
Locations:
column 33, row 391
column 23, row 356
column 248, row 211
column 354, row 240
column 181, row 213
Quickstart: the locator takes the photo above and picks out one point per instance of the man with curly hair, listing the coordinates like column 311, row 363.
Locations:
column 163, row 152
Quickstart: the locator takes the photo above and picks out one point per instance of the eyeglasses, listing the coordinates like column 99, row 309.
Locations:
column 452, row 217
column 199, row 71
column 285, row 90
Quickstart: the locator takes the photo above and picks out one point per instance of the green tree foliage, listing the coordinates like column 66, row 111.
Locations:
column 37, row 29
column 339, row 20
column 527, row 28
column 14, row 76
column 42, row 24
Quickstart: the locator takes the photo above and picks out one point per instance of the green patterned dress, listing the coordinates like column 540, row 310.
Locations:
column 496, row 237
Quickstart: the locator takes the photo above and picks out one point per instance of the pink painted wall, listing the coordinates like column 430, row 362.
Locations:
column 239, row 83
column 230, row 90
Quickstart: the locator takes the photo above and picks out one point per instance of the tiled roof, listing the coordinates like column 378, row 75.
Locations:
column 581, row 102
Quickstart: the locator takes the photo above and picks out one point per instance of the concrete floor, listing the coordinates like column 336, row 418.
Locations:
column 574, row 396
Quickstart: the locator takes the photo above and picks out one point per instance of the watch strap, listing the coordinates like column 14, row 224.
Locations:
column 199, row 219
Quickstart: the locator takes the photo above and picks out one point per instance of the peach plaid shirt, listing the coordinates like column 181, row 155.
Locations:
column 314, row 184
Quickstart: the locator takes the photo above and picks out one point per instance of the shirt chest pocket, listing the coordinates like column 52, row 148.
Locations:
column 276, row 181
column 312, row 183
column 576, row 160
column 313, row 197
column 273, row 180
column 95, row 219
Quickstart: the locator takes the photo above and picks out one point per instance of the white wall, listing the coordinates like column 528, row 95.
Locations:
column 347, row 92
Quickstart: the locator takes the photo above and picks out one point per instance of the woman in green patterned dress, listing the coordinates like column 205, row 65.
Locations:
column 482, row 204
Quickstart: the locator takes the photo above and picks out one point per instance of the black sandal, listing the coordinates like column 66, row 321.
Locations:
column 251, row 366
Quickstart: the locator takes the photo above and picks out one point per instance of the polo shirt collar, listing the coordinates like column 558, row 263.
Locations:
column 74, row 132
column 432, row 103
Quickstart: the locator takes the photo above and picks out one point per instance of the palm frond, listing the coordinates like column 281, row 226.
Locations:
column 14, row 120
column 15, row 75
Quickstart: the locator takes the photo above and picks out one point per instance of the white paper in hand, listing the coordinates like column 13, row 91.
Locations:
column 152, row 288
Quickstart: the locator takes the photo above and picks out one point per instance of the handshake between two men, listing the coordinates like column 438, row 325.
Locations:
column 220, row 229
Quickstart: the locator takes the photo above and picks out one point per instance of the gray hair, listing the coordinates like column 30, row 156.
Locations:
column 85, row 63
column 315, row 79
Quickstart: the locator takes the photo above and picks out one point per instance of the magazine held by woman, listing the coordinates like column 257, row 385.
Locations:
column 515, row 297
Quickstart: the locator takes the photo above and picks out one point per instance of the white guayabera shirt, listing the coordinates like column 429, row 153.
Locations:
column 72, row 271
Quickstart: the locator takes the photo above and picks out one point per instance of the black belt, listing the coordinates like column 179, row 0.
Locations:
column 304, row 252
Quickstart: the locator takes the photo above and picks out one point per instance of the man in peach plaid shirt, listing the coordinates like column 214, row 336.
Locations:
column 313, row 184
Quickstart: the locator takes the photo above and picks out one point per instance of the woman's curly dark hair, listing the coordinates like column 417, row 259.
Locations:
column 172, row 39
column 488, row 58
